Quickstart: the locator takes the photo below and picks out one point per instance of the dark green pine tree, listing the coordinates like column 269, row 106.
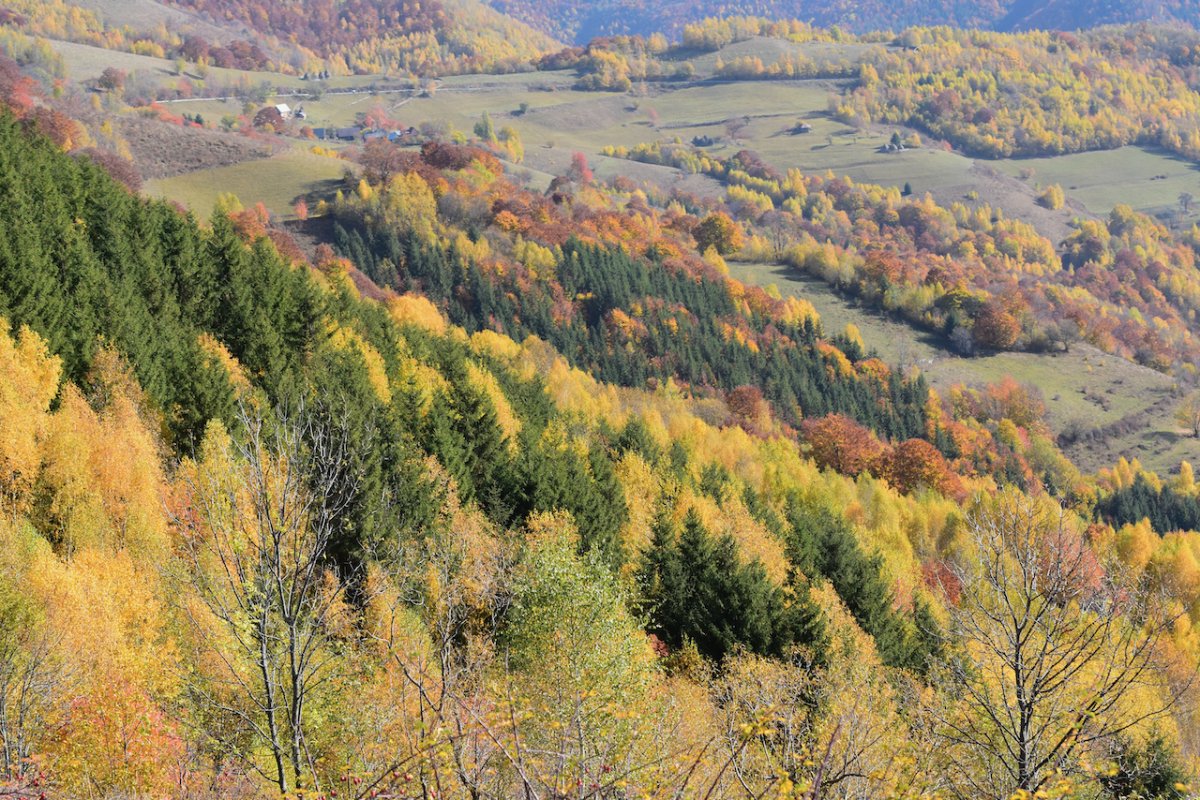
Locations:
column 696, row 588
column 444, row 441
column 244, row 306
column 31, row 291
column 487, row 464
column 821, row 544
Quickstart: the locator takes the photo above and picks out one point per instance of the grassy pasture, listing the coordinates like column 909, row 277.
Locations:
column 144, row 15
column 559, row 120
column 772, row 50
column 85, row 62
column 276, row 182
column 1148, row 180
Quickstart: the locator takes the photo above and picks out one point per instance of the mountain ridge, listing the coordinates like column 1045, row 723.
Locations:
column 571, row 20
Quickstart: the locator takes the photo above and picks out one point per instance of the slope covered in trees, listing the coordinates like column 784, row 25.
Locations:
column 264, row 533
column 576, row 21
column 616, row 285
column 335, row 36
column 1038, row 93
column 985, row 281
column 364, row 36
column 568, row 275
column 370, row 428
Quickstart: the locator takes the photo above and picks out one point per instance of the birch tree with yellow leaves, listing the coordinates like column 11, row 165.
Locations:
column 1057, row 654
column 256, row 525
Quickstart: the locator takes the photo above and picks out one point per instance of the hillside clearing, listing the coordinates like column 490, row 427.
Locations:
column 1083, row 387
column 1150, row 181
column 276, row 182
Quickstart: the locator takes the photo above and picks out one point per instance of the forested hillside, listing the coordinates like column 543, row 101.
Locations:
column 389, row 445
column 332, row 37
column 624, row 319
column 1039, row 93
column 571, row 20
column 362, row 36
column 620, row 288
column 986, row 282
column 456, row 485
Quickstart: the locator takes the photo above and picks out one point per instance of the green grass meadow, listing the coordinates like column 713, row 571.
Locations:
column 276, row 182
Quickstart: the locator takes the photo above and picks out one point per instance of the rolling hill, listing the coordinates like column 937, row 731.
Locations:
column 572, row 20
column 339, row 37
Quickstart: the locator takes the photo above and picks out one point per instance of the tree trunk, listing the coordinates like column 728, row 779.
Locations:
column 269, row 706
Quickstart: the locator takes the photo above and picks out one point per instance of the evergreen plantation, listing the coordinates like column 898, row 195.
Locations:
column 685, row 341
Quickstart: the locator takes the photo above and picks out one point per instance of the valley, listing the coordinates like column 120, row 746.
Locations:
column 1084, row 389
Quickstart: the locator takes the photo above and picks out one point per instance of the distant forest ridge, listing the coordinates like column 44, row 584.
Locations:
column 582, row 20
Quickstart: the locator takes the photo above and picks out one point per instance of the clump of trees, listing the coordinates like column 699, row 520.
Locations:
column 1052, row 198
column 1031, row 94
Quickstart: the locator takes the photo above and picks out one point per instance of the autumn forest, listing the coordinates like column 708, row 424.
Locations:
column 462, row 400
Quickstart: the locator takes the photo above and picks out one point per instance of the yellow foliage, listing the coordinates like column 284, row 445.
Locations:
column 28, row 383
column 472, row 250
column 346, row 339
column 1135, row 544
column 415, row 309
column 854, row 336
column 102, row 476
column 496, row 345
column 836, row 359
column 1185, row 482
column 1176, row 565
column 408, row 202
column 755, row 542
column 714, row 260
column 221, row 355
column 109, row 615
column 796, row 310
column 506, row 417
column 883, row 529
column 642, row 490
column 539, row 260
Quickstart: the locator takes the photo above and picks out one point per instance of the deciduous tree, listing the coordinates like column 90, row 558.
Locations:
column 841, row 444
column 1056, row 657
column 258, row 519
column 720, row 232
column 1187, row 413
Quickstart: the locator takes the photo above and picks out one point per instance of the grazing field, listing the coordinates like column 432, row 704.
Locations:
column 85, row 62
column 1085, row 387
column 770, row 50
column 1150, row 181
column 163, row 150
column 757, row 115
column 148, row 14
column 276, row 182
column 554, row 121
